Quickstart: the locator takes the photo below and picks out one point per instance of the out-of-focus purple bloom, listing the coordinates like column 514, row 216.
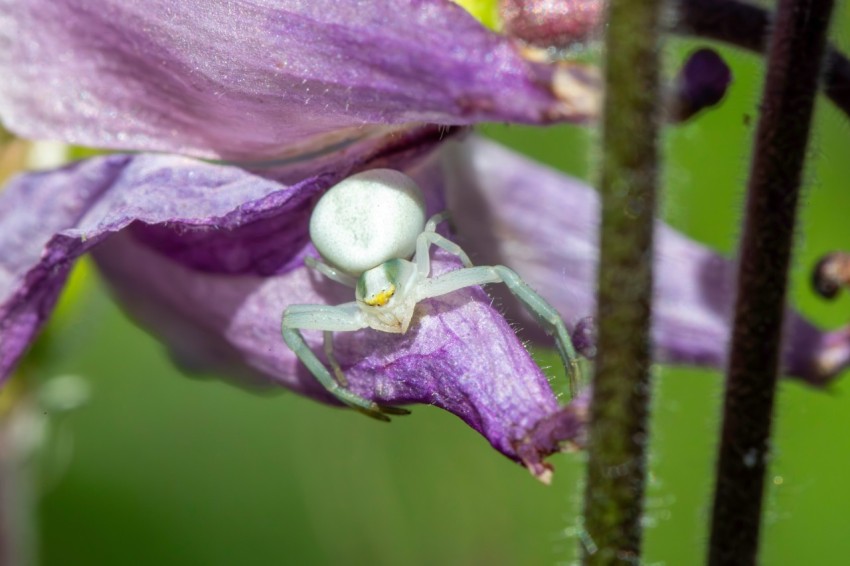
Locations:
column 545, row 226
column 552, row 23
column 207, row 256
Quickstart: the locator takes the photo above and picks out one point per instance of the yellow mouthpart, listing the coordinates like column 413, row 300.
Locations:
column 382, row 298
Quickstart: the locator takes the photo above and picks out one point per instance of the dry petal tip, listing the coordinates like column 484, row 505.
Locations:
column 579, row 89
column 584, row 337
column 542, row 472
column 562, row 431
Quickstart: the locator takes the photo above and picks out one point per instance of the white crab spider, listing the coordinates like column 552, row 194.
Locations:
column 365, row 228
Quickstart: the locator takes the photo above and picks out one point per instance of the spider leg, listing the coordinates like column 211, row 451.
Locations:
column 438, row 218
column 545, row 313
column 346, row 317
column 331, row 273
column 329, row 353
column 430, row 238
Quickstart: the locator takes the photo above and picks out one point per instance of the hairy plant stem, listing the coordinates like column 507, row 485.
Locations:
column 613, row 505
column 795, row 56
column 747, row 25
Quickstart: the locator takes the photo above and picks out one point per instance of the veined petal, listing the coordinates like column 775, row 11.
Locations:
column 544, row 225
column 41, row 235
column 189, row 249
column 242, row 79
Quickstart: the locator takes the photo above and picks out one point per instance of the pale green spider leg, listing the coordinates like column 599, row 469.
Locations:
column 331, row 273
column 430, row 237
column 545, row 314
column 328, row 345
column 345, row 317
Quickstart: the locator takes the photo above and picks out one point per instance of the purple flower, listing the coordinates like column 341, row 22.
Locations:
column 206, row 256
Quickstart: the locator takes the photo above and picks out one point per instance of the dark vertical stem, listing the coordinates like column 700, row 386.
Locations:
column 621, row 394
column 795, row 55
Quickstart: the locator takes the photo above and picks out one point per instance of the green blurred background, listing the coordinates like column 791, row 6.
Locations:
column 168, row 470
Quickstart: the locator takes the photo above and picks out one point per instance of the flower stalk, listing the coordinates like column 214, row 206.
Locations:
column 618, row 435
column 795, row 57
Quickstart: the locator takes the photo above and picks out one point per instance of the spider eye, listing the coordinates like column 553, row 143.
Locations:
column 377, row 286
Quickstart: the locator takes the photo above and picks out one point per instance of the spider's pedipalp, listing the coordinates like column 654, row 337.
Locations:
column 331, row 273
column 429, row 237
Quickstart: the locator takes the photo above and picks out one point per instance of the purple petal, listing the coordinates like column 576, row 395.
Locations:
column 253, row 80
column 221, row 309
column 544, row 225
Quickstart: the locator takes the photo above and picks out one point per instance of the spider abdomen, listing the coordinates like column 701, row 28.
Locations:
column 368, row 219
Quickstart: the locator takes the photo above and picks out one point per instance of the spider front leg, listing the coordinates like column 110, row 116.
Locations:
column 331, row 273
column 429, row 237
column 328, row 345
column 545, row 313
column 342, row 318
